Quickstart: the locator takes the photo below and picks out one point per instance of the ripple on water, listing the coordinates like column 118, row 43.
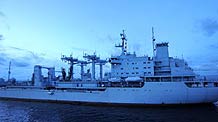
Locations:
column 52, row 112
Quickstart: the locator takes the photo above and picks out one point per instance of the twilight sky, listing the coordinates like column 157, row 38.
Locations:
column 40, row 31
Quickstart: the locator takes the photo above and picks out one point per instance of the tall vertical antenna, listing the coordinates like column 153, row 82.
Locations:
column 9, row 70
column 153, row 40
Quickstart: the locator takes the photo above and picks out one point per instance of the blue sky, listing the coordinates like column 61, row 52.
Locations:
column 39, row 31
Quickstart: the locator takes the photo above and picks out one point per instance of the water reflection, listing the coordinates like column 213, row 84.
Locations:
column 41, row 112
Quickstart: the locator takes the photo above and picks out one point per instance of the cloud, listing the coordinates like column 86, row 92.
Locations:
column 1, row 37
column 19, row 57
column 81, row 49
column 23, row 61
column 112, row 39
column 214, row 46
column 2, row 60
column 27, row 54
column 3, row 21
column 209, row 26
column 208, row 65
column 136, row 47
column 20, row 63
column 2, row 14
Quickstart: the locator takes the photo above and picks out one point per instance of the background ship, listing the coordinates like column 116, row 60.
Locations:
column 133, row 80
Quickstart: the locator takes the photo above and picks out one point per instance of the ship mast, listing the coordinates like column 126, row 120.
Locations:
column 123, row 45
column 153, row 40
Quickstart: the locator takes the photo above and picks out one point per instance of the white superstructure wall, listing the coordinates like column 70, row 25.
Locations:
column 162, row 53
column 130, row 66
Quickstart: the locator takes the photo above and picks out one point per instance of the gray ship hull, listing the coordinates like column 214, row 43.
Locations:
column 152, row 93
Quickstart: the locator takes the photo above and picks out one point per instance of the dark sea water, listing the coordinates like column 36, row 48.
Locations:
column 17, row 111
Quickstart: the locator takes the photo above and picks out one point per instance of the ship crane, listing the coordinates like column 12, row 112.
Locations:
column 101, row 63
column 82, row 64
column 72, row 61
column 93, row 59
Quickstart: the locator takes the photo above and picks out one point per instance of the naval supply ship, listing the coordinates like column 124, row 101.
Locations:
column 133, row 80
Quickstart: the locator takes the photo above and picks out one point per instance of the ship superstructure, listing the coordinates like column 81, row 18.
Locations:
column 143, row 80
column 160, row 65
